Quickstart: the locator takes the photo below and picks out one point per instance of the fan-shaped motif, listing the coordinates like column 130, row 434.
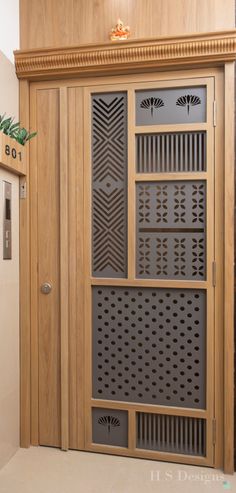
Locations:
column 109, row 422
column 151, row 103
column 188, row 100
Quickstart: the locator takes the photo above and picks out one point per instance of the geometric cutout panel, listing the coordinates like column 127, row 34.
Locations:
column 149, row 345
column 110, row 427
column 171, row 230
column 176, row 434
column 167, row 106
column 109, row 183
column 171, row 152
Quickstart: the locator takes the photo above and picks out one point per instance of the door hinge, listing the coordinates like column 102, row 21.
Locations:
column 214, row 431
column 23, row 192
column 214, row 273
column 214, row 114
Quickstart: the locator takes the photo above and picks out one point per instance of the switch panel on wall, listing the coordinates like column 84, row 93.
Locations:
column 7, row 232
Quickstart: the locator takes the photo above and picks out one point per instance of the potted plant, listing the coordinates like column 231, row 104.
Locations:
column 13, row 138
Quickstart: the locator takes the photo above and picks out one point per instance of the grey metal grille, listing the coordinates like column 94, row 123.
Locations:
column 110, row 427
column 174, row 105
column 176, row 434
column 149, row 345
column 171, row 152
column 171, row 230
column 109, row 158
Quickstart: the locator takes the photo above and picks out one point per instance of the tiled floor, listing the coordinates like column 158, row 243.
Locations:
column 47, row 470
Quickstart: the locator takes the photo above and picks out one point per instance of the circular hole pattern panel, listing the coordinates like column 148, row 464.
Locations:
column 149, row 345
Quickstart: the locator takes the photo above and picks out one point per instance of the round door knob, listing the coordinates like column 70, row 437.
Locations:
column 46, row 288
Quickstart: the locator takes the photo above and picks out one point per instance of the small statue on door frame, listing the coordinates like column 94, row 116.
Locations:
column 120, row 32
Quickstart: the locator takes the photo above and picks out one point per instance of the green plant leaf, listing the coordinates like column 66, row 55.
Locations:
column 13, row 130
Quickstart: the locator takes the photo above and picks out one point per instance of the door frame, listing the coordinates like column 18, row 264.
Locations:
column 226, row 85
column 186, row 79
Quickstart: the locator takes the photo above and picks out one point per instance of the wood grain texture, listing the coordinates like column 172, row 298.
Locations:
column 34, row 287
column 25, row 349
column 145, row 54
column 49, row 267
column 68, row 22
column 78, row 415
column 131, row 186
column 87, row 236
column 131, row 281
column 210, row 295
column 148, row 454
column 76, row 267
column 219, row 258
column 229, row 272
column 15, row 164
column 64, row 268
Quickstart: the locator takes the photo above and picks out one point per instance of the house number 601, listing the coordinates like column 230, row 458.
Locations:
column 12, row 152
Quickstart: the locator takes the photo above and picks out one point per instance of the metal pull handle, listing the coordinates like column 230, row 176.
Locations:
column 46, row 288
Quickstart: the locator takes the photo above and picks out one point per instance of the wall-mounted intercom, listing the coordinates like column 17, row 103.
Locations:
column 7, row 230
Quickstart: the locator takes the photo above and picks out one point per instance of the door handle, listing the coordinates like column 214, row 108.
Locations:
column 46, row 288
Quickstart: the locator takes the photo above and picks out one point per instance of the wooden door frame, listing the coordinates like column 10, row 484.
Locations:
column 213, row 409
column 210, row 50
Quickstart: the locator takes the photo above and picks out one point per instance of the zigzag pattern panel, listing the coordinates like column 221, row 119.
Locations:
column 109, row 160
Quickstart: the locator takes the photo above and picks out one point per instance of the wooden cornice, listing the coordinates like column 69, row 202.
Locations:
column 125, row 56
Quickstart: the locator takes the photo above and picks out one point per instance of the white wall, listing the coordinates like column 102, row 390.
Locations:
column 8, row 87
column 9, row 329
column 9, row 27
column 9, row 269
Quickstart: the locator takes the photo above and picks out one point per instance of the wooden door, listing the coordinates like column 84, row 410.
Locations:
column 56, row 259
column 126, row 228
column 47, row 236
column 149, row 270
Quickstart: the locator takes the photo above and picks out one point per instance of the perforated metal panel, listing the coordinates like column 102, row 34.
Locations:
column 171, row 152
column 175, row 105
column 171, row 230
column 176, row 434
column 109, row 157
column 149, row 345
column 110, row 427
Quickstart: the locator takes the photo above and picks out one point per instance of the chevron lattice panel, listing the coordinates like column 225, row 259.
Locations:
column 109, row 156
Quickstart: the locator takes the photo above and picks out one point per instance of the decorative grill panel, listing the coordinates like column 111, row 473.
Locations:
column 175, row 105
column 169, row 153
column 149, row 345
column 171, row 230
column 110, row 427
column 109, row 157
column 176, row 434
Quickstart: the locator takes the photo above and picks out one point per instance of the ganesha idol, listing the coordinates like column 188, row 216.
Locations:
column 120, row 32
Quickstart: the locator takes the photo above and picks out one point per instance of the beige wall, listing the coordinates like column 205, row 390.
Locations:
column 9, row 290
column 9, row 27
column 8, row 87
column 56, row 23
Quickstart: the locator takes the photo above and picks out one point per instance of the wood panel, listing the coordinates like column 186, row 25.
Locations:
column 146, row 54
column 64, row 270
column 49, row 266
column 76, row 268
column 49, row 340
column 131, row 281
column 67, row 22
column 229, row 271
column 33, row 305
column 25, row 293
column 219, row 256
column 13, row 156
